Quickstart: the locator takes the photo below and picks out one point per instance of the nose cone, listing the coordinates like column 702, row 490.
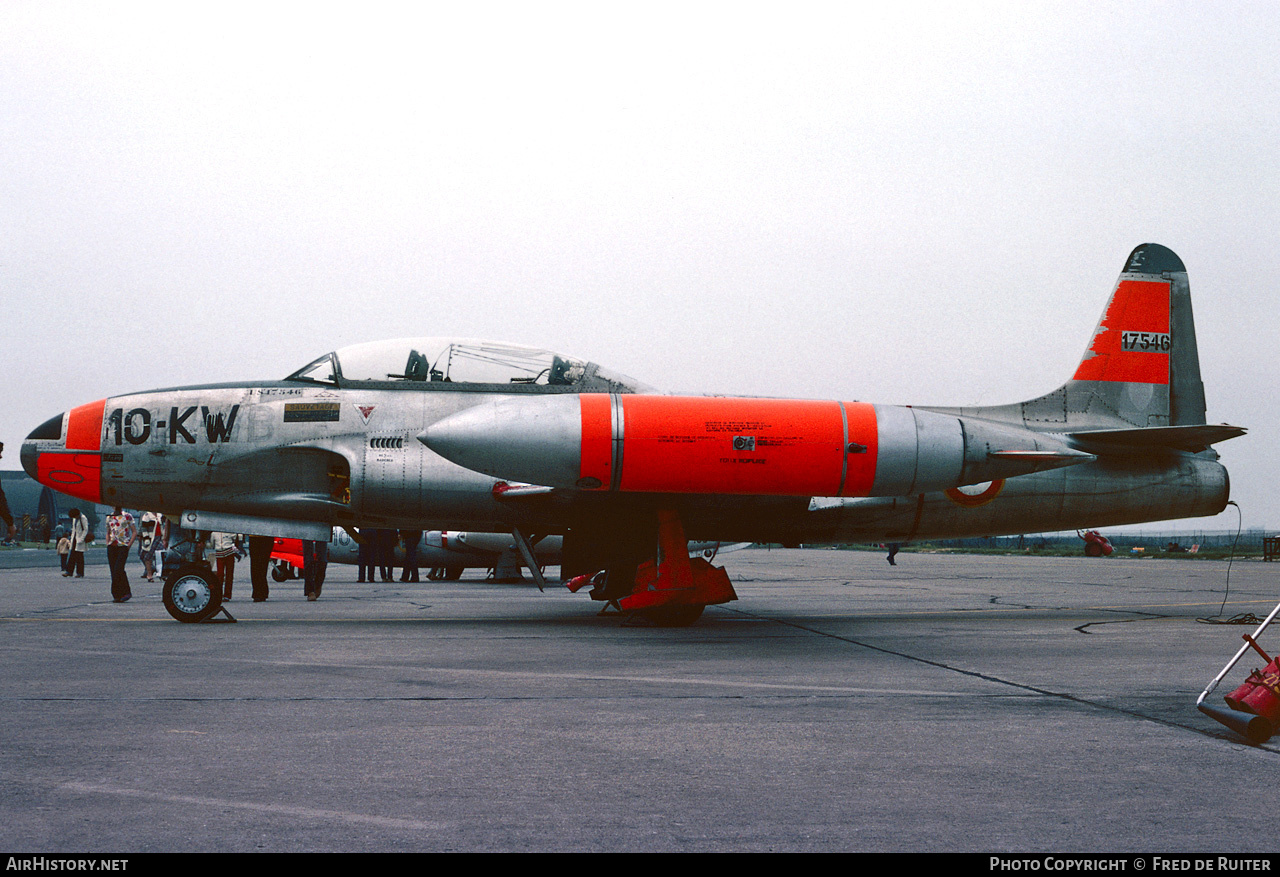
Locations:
column 65, row 452
column 29, row 455
column 49, row 431
column 537, row 440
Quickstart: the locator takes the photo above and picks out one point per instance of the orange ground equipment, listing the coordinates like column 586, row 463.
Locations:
column 1253, row 708
column 286, row 557
column 672, row 589
column 1095, row 544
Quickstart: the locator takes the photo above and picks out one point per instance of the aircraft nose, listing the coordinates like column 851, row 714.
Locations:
column 65, row 452
column 28, row 456
column 49, row 431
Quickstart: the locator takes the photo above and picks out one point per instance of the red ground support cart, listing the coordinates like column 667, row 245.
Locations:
column 1253, row 709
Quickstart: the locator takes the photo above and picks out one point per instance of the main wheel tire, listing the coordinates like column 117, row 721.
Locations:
column 453, row 573
column 192, row 593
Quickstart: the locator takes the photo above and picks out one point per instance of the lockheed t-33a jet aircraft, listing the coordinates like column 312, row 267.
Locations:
column 435, row 433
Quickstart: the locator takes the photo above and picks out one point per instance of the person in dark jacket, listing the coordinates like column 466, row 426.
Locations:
column 385, row 540
column 259, row 561
column 5, row 515
column 410, row 539
column 315, row 561
column 366, row 558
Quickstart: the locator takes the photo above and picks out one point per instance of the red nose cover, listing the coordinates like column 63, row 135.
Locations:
column 77, row 474
column 84, row 427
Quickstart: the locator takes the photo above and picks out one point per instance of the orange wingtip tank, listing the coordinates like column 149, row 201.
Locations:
column 736, row 446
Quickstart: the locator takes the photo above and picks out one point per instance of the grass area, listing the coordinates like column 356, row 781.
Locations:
column 24, row 545
column 1063, row 549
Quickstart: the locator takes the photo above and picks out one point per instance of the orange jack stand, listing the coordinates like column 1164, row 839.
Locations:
column 670, row 591
column 675, row 579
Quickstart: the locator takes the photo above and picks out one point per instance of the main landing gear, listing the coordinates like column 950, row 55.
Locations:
column 670, row 590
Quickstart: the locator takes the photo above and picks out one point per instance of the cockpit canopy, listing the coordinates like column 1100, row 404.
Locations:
column 435, row 363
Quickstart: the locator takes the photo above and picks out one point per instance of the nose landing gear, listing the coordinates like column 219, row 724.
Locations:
column 192, row 594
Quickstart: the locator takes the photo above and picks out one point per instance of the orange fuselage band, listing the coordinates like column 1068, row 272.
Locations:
column 696, row 444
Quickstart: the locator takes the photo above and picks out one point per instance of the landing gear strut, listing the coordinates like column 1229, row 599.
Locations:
column 670, row 590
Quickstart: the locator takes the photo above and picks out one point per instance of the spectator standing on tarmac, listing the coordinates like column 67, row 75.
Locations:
column 161, row 543
column 410, row 538
column 385, row 542
column 79, row 536
column 315, row 560
column 148, row 542
column 259, row 561
column 225, row 546
column 365, row 555
column 121, row 534
column 5, row 514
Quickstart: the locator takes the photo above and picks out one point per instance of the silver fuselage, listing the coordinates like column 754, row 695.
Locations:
column 321, row 455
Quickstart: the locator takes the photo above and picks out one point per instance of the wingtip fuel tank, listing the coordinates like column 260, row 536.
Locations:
column 740, row 446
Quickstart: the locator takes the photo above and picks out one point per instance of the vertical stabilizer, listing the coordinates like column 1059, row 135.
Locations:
column 1142, row 365
column 1141, row 368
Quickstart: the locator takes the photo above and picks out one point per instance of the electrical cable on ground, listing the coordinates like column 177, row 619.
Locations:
column 1244, row 618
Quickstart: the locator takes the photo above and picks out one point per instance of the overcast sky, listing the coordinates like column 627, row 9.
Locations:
column 925, row 205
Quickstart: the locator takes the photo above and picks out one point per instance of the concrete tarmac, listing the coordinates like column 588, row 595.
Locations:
column 949, row 703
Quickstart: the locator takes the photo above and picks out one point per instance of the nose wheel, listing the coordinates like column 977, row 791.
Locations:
column 192, row 594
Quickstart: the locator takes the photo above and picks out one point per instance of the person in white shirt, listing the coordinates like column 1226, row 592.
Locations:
column 79, row 537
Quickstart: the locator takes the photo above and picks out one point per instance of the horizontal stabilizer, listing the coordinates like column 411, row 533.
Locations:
column 1192, row 437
